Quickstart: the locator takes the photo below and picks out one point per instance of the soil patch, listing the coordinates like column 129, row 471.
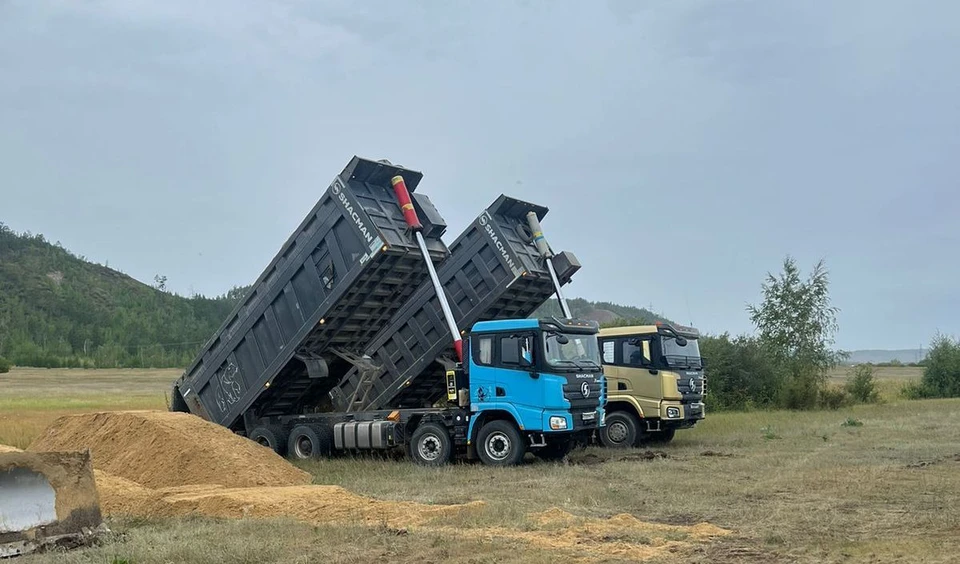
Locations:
column 620, row 536
column 158, row 449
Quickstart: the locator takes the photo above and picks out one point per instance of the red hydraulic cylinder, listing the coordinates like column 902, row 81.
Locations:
column 410, row 216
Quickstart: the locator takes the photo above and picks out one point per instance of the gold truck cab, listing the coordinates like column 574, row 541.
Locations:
column 655, row 383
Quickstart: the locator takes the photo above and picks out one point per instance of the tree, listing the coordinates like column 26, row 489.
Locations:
column 796, row 323
column 941, row 376
column 861, row 384
column 160, row 282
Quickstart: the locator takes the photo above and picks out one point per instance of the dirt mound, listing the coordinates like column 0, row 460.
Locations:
column 159, row 449
column 313, row 504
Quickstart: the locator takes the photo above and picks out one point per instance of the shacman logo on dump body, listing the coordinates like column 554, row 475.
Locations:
column 485, row 222
column 337, row 190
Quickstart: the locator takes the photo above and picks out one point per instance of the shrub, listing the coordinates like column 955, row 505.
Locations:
column 852, row 422
column 941, row 376
column 913, row 391
column 861, row 386
column 834, row 398
column 5, row 365
column 801, row 391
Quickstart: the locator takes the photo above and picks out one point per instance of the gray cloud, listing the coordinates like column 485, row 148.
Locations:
column 683, row 147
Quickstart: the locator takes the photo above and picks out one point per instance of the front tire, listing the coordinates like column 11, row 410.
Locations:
column 660, row 437
column 430, row 445
column 621, row 431
column 499, row 444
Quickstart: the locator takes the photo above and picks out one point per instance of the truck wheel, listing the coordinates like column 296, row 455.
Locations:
column 305, row 442
column 660, row 437
column 554, row 451
column 269, row 438
column 499, row 444
column 621, row 430
column 430, row 445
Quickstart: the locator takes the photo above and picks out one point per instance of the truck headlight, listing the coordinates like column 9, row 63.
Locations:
column 673, row 412
column 558, row 423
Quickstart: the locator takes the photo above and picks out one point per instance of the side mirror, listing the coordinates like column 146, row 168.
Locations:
column 681, row 342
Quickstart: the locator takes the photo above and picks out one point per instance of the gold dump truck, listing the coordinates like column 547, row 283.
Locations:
column 655, row 383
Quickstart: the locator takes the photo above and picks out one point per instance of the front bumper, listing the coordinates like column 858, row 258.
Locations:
column 574, row 420
column 677, row 412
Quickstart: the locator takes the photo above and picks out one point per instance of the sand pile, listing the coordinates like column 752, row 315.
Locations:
column 313, row 504
column 158, row 449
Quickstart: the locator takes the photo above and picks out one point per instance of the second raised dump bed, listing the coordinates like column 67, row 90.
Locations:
column 494, row 272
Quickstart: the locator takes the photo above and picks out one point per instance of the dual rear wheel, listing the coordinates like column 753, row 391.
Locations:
column 499, row 443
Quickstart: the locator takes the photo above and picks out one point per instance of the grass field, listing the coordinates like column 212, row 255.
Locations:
column 878, row 483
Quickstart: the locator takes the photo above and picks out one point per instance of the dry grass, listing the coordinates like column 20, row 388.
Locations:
column 792, row 486
column 32, row 398
column 890, row 379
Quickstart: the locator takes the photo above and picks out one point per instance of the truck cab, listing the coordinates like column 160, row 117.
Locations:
column 534, row 384
column 654, row 380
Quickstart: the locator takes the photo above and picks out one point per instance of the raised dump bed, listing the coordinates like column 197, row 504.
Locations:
column 339, row 278
column 494, row 272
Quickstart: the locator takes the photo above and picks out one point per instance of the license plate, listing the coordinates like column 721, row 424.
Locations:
column 590, row 416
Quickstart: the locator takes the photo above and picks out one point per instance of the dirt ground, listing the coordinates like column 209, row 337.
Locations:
column 876, row 483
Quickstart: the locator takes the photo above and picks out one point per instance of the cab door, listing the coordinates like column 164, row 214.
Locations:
column 517, row 379
column 642, row 380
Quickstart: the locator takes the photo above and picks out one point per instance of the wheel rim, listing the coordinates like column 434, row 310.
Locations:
column 264, row 442
column 430, row 448
column 498, row 446
column 303, row 447
column 617, row 432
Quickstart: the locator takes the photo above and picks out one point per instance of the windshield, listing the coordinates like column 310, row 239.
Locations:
column 674, row 355
column 579, row 352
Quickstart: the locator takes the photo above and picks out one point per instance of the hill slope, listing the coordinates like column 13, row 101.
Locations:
column 606, row 313
column 903, row 356
column 59, row 310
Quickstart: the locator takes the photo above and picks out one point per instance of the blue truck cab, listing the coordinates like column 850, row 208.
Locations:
column 534, row 385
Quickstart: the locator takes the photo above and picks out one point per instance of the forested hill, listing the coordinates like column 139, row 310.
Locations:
column 57, row 309
column 606, row 313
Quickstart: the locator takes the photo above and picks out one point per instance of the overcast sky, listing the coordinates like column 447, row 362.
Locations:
column 683, row 148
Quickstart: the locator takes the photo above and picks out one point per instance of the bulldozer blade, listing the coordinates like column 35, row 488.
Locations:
column 47, row 499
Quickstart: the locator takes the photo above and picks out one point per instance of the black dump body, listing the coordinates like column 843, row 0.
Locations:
column 493, row 272
column 339, row 278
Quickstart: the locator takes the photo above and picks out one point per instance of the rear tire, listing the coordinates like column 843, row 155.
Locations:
column 621, row 431
column 308, row 442
column 270, row 438
column 554, row 451
column 499, row 444
column 430, row 445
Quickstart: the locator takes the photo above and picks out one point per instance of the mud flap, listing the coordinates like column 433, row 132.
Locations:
column 47, row 499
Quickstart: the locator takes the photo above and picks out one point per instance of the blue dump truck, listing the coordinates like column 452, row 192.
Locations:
column 366, row 332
